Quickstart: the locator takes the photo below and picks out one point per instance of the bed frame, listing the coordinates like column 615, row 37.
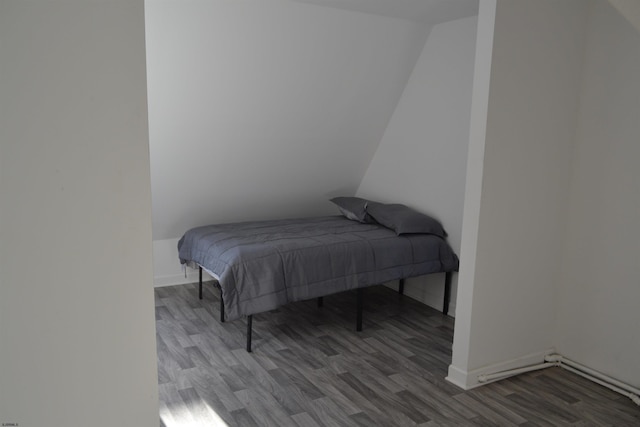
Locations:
column 359, row 302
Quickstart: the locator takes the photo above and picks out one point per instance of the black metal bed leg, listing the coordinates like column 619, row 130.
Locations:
column 401, row 286
column 320, row 302
column 221, row 305
column 447, row 292
column 249, row 329
column 359, row 298
column 200, row 282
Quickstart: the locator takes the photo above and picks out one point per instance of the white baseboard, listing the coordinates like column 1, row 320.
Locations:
column 467, row 380
column 167, row 270
column 431, row 299
column 427, row 290
column 178, row 279
column 458, row 377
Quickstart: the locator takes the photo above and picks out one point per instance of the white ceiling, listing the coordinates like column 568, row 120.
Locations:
column 630, row 9
column 427, row 11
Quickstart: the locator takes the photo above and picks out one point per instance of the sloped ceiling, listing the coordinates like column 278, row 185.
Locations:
column 265, row 109
column 430, row 12
column 630, row 9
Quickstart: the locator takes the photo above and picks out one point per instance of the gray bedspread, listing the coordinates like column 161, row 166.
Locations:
column 263, row 265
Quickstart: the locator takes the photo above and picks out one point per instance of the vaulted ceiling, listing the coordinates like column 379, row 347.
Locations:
column 630, row 9
column 430, row 12
column 267, row 108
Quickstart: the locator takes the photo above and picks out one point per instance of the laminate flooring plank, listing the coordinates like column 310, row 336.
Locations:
column 541, row 412
column 304, row 402
column 164, row 400
column 430, row 364
column 271, row 342
column 418, row 325
column 304, row 420
column 296, row 363
column 353, row 342
column 264, row 361
column 305, row 389
column 172, row 401
column 497, row 401
column 172, row 354
column 304, row 358
column 329, row 346
column 162, row 312
column 406, row 403
column 192, row 326
column 173, row 333
column 166, row 419
column 429, row 406
column 556, row 409
column 588, row 390
column 178, row 309
column 380, row 362
column 261, row 378
column 389, row 325
column 363, row 389
column 167, row 292
column 329, row 385
column 242, row 418
column 291, row 340
column 309, row 322
column 602, row 414
column 366, row 399
column 197, row 357
column 407, row 366
column 363, row 420
column 219, row 355
column 440, row 402
column 319, row 348
column 550, row 388
column 231, row 335
column 430, row 346
column 482, row 422
column 392, row 338
column 210, row 385
column 233, row 381
column 329, row 413
column 364, row 372
column 621, row 406
column 594, row 417
column 389, row 345
column 268, row 415
column 309, row 367
column 573, row 391
column 202, row 410
column 485, row 411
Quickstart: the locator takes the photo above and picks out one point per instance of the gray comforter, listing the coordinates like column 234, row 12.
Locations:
column 263, row 265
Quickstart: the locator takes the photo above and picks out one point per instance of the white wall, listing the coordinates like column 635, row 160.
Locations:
column 76, row 306
column 598, row 301
column 430, row 12
column 167, row 270
column 473, row 188
column 630, row 9
column 266, row 108
column 511, row 279
column 421, row 159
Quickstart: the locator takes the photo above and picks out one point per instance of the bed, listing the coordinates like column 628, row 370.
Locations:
column 262, row 265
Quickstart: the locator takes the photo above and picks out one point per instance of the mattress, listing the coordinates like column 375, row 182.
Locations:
column 262, row 265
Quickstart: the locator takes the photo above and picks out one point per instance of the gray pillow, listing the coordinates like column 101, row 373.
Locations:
column 404, row 220
column 353, row 208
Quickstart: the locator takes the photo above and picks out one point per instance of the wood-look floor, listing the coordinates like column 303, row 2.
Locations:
column 310, row 368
